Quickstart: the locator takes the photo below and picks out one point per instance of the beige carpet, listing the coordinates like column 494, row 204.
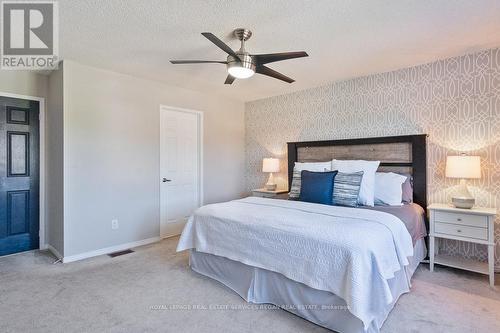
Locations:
column 117, row 295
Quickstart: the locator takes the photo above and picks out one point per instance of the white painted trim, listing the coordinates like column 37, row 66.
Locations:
column 54, row 251
column 42, row 123
column 201, row 198
column 110, row 249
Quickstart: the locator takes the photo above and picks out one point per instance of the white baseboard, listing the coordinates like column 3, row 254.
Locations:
column 110, row 249
column 54, row 251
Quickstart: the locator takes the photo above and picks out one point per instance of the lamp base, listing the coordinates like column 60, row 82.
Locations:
column 463, row 198
column 271, row 187
column 464, row 203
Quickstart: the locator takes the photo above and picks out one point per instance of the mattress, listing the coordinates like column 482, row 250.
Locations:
column 261, row 286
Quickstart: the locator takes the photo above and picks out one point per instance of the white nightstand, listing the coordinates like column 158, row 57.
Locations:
column 470, row 225
column 263, row 193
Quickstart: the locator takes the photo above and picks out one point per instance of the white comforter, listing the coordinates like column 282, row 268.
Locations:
column 347, row 251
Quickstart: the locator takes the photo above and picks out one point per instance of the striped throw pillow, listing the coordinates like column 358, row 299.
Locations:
column 294, row 193
column 346, row 188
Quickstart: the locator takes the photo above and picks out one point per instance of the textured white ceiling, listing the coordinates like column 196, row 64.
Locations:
column 344, row 38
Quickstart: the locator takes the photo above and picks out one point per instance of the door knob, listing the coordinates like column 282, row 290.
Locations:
column 166, row 180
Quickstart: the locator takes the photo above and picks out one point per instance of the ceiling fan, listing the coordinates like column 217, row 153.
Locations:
column 241, row 64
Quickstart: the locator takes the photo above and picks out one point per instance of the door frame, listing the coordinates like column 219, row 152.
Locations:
column 41, row 141
column 199, row 115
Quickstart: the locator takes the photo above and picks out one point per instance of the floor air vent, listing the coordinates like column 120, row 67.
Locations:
column 120, row 253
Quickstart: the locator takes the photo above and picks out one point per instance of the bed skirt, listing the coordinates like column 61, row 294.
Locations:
column 261, row 286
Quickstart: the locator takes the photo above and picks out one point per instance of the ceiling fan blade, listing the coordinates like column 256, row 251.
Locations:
column 261, row 59
column 177, row 62
column 229, row 79
column 272, row 73
column 223, row 46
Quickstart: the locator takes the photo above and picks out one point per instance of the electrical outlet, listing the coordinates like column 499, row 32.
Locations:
column 114, row 224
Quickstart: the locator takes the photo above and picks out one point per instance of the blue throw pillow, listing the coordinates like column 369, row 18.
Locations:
column 317, row 187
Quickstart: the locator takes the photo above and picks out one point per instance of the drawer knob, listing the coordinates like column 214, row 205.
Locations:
column 458, row 230
column 459, row 219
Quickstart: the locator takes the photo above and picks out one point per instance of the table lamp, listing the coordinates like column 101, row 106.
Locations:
column 270, row 165
column 463, row 167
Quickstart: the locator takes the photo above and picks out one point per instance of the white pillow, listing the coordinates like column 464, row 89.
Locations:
column 313, row 166
column 367, row 190
column 388, row 188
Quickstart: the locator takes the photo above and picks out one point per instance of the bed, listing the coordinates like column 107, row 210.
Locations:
column 339, row 267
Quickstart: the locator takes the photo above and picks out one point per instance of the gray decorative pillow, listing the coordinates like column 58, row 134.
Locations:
column 407, row 188
column 294, row 193
column 346, row 188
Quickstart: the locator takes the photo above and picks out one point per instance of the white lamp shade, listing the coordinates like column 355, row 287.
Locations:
column 463, row 166
column 270, row 165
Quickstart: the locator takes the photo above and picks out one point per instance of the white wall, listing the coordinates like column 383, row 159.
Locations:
column 24, row 83
column 111, row 148
column 54, row 161
column 102, row 146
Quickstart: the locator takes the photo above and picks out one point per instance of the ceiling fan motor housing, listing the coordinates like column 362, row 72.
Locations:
column 246, row 61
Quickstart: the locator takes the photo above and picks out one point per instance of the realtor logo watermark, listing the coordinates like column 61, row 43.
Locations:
column 29, row 35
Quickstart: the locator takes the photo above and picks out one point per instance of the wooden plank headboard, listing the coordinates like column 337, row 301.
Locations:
column 406, row 154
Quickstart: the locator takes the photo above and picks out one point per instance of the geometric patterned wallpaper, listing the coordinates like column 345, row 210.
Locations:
column 455, row 101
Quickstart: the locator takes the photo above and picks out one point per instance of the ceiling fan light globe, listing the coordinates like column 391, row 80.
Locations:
column 241, row 68
column 240, row 72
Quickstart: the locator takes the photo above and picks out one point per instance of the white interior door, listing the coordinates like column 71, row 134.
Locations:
column 180, row 168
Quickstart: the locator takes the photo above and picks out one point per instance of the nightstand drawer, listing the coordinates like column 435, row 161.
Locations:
column 479, row 221
column 460, row 230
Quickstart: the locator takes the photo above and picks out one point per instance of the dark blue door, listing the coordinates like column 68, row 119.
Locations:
column 19, row 175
